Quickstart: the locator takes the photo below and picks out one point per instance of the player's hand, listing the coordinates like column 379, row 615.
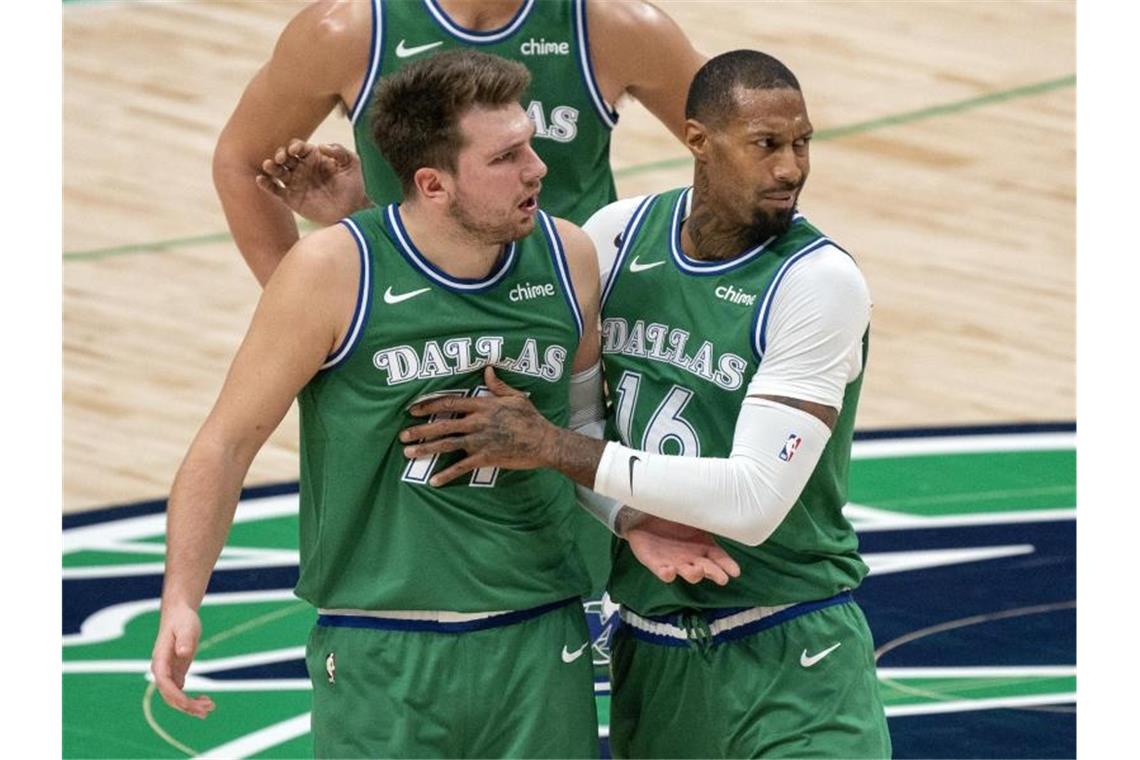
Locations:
column 174, row 648
column 500, row 430
column 322, row 183
column 668, row 549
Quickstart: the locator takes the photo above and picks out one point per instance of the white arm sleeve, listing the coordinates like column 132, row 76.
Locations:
column 605, row 228
column 744, row 497
column 812, row 349
column 814, row 334
column 587, row 416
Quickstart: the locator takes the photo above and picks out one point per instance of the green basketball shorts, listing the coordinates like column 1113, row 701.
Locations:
column 779, row 682
column 518, row 684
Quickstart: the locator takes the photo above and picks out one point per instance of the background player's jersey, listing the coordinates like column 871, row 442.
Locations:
column 678, row 364
column 572, row 121
column 374, row 534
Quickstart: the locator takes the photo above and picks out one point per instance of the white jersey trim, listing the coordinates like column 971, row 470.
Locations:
column 605, row 111
column 373, row 70
column 563, row 269
column 479, row 38
column 363, row 297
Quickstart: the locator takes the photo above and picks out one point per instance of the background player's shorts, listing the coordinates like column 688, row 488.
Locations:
column 777, row 692
column 519, row 690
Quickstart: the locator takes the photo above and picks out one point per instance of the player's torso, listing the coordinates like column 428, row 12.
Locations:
column 680, row 344
column 374, row 534
column 572, row 122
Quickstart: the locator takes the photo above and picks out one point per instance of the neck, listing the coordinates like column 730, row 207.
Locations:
column 480, row 15
column 446, row 245
column 707, row 236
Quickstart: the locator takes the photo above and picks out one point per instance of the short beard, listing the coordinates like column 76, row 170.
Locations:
column 480, row 230
column 766, row 225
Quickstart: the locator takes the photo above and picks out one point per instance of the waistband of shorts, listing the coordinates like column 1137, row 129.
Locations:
column 727, row 624
column 434, row 621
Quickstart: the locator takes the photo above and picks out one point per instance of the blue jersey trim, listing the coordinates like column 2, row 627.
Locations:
column 607, row 114
column 760, row 320
column 375, row 54
column 455, row 284
column 431, row 626
column 632, row 227
column 743, row 631
column 363, row 299
column 477, row 37
column 558, row 254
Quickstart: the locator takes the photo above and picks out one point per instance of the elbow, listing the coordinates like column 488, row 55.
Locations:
column 755, row 532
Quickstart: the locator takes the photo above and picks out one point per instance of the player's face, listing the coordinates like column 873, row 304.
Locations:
column 498, row 175
column 758, row 161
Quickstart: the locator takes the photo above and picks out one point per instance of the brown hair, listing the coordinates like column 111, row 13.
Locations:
column 416, row 111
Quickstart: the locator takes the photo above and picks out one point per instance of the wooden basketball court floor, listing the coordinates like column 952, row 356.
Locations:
column 944, row 160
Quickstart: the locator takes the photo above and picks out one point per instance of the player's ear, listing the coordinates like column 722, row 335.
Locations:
column 696, row 138
column 432, row 184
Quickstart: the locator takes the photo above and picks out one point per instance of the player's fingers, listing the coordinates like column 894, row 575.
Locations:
column 281, row 157
column 665, row 573
column 269, row 185
column 298, row 148
column 338, row 153
column 691, row 572
column 437, row 429
column 497, row 386
column 462, row 467
column 725, row 561
column 713, row 571
column 446, row 405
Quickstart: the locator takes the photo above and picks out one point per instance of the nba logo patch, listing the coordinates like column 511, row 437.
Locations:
column 790, row 447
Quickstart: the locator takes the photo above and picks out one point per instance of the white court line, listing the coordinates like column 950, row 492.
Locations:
column 258, row 741
column 963, row 444
column 966, row 705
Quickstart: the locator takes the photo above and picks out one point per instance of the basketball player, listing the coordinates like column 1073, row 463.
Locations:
column 734, row 403
column 584, row 55
column 450, row 620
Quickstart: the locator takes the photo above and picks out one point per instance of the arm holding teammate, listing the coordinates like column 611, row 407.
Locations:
column 818, row 318
column 636, row 50
column 301, row 318
column 316, row 64
column 665, row 548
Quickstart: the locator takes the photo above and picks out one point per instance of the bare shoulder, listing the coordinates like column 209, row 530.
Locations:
column 575, row 241
column 629, row 18
column 329, row 38
column 324, row 263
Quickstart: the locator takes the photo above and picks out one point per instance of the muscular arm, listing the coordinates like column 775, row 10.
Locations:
column 305, row 309
column 319, row 61
column 814, row 349
column 637, row 49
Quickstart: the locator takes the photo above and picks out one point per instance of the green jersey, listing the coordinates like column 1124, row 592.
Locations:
column 678, row 367
column 572, row 121
column 374, row 534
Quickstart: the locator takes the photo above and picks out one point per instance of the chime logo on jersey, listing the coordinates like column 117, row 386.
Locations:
column 542, row 47
column 790, row 447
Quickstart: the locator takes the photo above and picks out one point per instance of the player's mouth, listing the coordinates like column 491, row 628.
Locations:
column 530, row 204
column 783, row 199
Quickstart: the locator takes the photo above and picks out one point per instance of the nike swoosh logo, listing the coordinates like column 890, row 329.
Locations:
column 635, row 267
column 808, row 661
column 390, row 297
column 569, row 657
column 407, row 52
column 631, row 461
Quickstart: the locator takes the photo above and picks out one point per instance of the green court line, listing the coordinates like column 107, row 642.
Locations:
column 861, row 127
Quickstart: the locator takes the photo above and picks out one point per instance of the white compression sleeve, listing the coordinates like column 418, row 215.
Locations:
column 744, row 497
column 587, row 416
